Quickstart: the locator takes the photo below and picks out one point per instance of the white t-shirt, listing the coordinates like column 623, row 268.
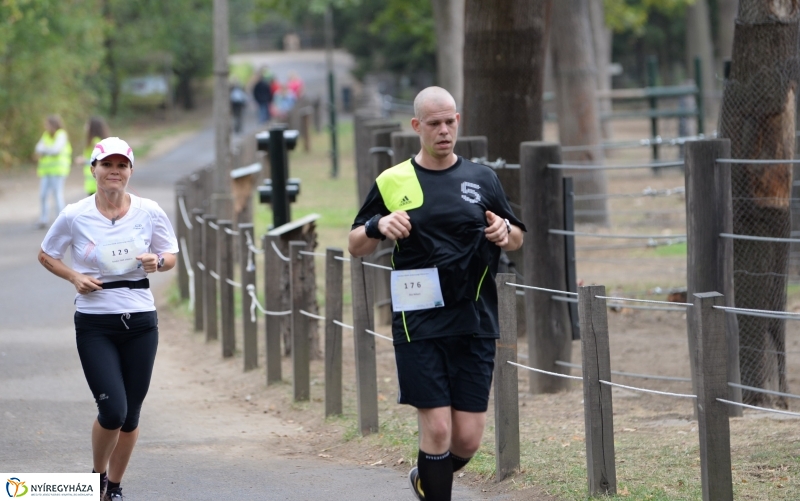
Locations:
column 108, row 251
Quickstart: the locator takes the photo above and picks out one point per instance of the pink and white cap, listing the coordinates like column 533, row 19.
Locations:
column 111, row 146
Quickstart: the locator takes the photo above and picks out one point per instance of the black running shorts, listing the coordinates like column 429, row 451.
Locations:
column 453, row 371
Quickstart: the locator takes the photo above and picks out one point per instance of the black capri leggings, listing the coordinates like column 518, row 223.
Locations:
column 117, row 353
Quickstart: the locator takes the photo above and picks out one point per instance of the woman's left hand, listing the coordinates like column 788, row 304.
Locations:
column 149, row 262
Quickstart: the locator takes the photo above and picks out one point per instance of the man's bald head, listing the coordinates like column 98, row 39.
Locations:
column 432, row 97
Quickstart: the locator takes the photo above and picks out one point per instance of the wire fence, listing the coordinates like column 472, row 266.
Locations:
column 656, row 234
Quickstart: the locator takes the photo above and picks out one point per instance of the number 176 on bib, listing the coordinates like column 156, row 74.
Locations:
column 416, row 290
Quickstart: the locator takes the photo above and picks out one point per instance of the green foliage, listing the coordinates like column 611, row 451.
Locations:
column 643, row 28
column 384, row 35
column 407, row 35
column 50, row 51
column 70, row 57
column 297, row 9
column 147, row 36
column 633, row 15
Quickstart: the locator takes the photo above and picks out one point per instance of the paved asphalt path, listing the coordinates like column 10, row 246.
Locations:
column 46, row 409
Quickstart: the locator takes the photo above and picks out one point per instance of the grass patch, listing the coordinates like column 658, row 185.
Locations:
column 678, row 249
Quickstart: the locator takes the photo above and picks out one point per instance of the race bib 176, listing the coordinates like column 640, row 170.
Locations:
column 416, row 290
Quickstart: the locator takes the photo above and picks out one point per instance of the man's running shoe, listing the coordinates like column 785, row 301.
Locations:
column 114, row 495
column 416, row 485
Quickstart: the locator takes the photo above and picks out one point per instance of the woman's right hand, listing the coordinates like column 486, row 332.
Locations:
column 85, row 284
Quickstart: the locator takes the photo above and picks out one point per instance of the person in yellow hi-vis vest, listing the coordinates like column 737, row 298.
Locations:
column 54, row 154
column 96, row 130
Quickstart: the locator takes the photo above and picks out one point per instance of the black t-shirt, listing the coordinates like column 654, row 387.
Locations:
column 448, row 233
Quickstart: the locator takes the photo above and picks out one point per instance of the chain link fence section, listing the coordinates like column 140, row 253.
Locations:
column 758, row 116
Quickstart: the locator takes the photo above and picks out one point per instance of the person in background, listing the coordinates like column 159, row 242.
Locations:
column 238, row 102
column 283, row 103
column 262, row 93
column 96, row 130
column 54, row 155
column 295, row 85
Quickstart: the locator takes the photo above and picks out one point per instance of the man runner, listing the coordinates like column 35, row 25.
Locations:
column 449, row 218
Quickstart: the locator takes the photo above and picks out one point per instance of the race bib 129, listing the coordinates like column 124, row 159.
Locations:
column 119, row 257
column 416, row 290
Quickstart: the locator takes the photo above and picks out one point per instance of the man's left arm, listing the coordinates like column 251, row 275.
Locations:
column 502, row 232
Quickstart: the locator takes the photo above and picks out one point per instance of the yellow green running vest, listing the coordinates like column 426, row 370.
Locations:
column 55, row 165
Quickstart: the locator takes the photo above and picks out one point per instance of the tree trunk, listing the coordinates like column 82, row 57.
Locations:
column 726, row 20
column 758, row 115
column 504, row 47
column 601, row 38
column 576, row 103
column 699, row 43
column 184, row 91
column 448, row 16
column 111, row 63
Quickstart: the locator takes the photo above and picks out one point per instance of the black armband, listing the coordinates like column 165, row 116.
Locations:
column 371, row 228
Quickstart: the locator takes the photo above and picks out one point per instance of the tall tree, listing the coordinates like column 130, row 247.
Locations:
column 504, row 48
column 601, row 41
column 758, row 115
column 700, row 43
column 448, row 17
column 726, row 21
column 576, row 102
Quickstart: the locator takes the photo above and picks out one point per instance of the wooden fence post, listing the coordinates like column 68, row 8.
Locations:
column 210, row 235
column 709, row 212
column 225, row 270
column 182, row 233
column 506, row 384
column 362, row 159
column 301, row 348
column 597, row 407
column 272, row 297
column 471, row 147
column 404, row 146
column 199, row 267
column 569, row 249
column 247, row 272
column 712, row 383
column 548, row 324
column 366, row 365
column 381, row 157
column 333, row 332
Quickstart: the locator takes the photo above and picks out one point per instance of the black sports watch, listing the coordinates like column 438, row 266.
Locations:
column 160, row 261
column 371, row 228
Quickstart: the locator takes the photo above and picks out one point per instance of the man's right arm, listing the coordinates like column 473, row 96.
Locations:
column 359, row 244
column 396, row 225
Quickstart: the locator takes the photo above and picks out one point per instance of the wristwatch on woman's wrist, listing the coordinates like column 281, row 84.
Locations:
column 160, row 260
column 508, row 226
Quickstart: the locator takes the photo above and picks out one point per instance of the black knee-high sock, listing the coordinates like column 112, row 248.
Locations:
column 436, row 475
column 103, row 478
column 458, row 462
